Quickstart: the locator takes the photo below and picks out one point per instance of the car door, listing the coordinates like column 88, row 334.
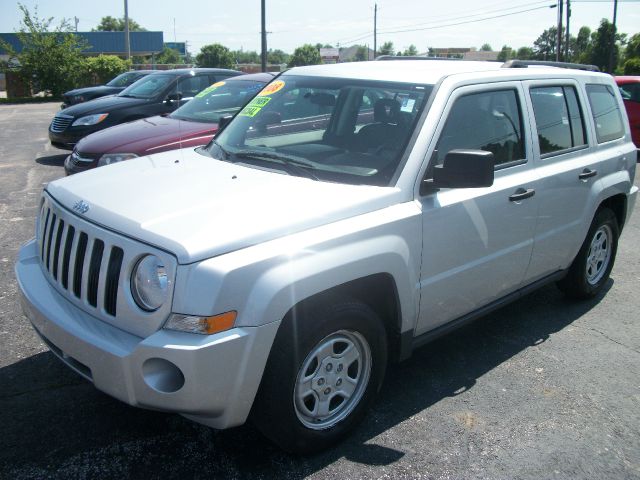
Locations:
column 568, row 169
column 477, row 242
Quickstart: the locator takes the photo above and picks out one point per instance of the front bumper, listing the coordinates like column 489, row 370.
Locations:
column 211, row 379
column 66, row 139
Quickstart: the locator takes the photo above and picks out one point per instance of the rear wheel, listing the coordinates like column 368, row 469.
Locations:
column 591, row 268
column 325, row 367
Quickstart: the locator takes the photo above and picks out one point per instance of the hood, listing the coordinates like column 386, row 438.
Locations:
column 99, row 90
column 102, row 105
column 197, row 207
column 148, row 135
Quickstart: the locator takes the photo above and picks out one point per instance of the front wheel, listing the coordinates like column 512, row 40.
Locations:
column 591, row 268
column 325, row 367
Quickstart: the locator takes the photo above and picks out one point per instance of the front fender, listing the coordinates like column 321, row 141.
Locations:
column 265, row 281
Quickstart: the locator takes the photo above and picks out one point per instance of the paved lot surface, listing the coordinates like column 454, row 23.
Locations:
column 544, row 388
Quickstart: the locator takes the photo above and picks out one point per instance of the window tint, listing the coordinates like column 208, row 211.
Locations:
column 606, row 115
column 148, row 87
column 558, row 118
column 489, row 121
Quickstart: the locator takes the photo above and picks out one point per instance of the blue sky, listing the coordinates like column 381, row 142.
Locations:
column 236, row 24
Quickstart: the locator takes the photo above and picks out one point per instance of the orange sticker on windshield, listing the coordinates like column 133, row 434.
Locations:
column 273, row 87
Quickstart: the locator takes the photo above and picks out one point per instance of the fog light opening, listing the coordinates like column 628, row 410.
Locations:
column 162, row 375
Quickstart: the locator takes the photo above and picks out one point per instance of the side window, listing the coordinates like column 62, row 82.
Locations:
column 190, row 86
column 559, row 119
column 605, row 111
column 489, row 121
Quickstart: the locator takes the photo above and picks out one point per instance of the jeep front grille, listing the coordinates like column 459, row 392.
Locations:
column 91, row 266
column 74, row 258
column 61, row 122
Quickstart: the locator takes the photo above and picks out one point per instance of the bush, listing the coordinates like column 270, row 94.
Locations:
column 101, row 69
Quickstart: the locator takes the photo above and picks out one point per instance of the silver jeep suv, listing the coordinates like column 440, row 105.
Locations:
column 347, row 215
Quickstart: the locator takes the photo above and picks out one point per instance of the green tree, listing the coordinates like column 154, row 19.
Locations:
column 633, row 47
column 486, row 48
column 307, row 54
column 506, row 53
column 169, row 56
column 277, row 57
column 215, row 55
column 632, row 66
column 103, row 68
column 386, row 49
column 544, row 48
column 51, row 58
column 325, row 45
column 582, row 45
column 599, row 52
column 524, row 53
column 249, row 56
column 410, row 51
column 111, row 24
column 362, row 54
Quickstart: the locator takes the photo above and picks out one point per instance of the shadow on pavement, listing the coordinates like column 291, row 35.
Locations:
column 55, row 424
column 53, row 160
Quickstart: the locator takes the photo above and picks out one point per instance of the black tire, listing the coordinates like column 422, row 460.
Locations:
column 282, row 412
column 590, row 270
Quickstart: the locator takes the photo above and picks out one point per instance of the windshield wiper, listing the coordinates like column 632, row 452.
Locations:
column 293, row 165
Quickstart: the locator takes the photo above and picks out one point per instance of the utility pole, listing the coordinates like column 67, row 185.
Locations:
column 375, row 31
column 76, row 20
column 613, row 38
column 559, row 34
column 568, row 38
column 264, row 38
column 127, row 45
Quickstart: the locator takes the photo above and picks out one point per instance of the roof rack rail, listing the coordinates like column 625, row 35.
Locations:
column 545, row 63
column 412, row 57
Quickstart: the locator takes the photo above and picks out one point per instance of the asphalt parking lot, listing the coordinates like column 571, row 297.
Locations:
column 544, row 388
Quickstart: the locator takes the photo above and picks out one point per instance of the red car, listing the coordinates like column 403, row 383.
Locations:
column 630, row 90
column 191, row 125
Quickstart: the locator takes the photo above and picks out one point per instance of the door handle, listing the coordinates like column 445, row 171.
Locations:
column 587, row 173
column 521, row 194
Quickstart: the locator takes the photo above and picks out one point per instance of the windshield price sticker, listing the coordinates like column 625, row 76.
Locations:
column 254, row 106
column 209, row 89
column 273, row 87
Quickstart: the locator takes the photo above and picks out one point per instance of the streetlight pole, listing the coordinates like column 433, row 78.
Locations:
column 264, row 39
column 127, row 46
column 613, row 38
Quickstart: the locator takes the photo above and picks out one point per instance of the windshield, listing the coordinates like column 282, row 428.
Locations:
column 218, row 100
column 148, row 87
column 338, row 130
column 124, row 79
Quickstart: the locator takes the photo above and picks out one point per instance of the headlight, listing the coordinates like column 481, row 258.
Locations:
column 90, row 119
column 149, row 283
column 110, row 158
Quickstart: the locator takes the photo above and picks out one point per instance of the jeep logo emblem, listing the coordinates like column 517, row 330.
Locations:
column 81, row 207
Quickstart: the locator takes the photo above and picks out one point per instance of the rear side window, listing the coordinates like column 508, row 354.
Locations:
column 489, row 121
column 559, row 119
column 606, row 114
column 630, row 91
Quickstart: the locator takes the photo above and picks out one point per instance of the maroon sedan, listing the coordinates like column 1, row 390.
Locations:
column 191, row 125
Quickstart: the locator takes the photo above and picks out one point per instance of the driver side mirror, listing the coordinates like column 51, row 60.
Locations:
column 464, row 169
column 173, row 97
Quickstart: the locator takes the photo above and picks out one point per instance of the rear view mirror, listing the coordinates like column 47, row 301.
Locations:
column 464, row 169
column 224, row 121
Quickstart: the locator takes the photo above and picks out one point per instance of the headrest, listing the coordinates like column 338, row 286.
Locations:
column 386, row 110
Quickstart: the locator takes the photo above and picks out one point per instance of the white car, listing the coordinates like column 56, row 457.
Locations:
column 347, row 215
